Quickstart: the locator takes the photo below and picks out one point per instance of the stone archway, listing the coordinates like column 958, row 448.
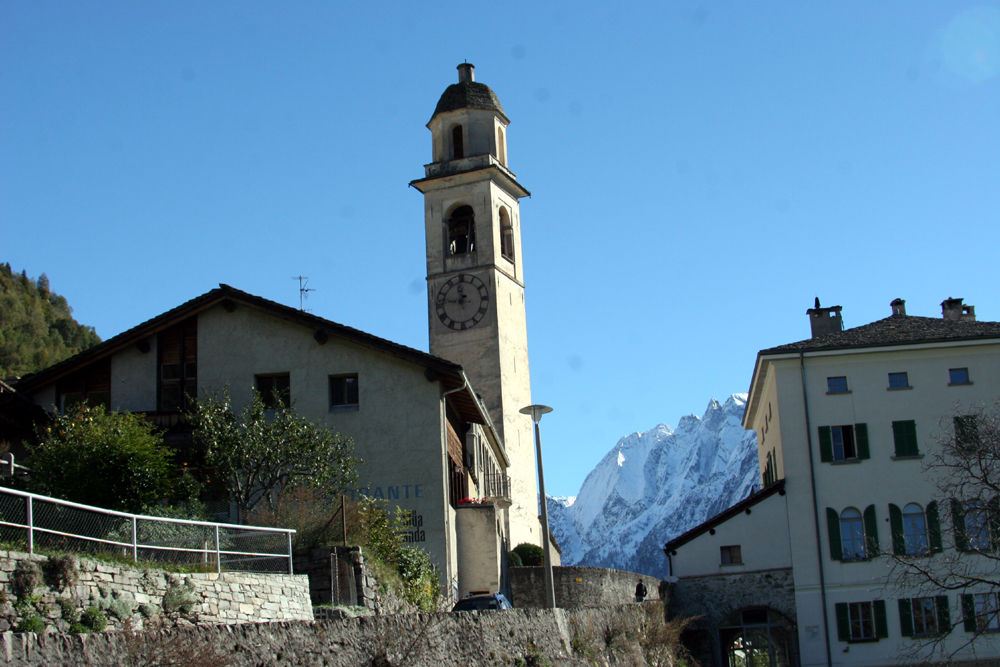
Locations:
column 758, row 637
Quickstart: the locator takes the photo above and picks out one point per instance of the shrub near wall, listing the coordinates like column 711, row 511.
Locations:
column 81, row 596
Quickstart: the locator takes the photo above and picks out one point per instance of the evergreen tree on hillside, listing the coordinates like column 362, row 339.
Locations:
column 37, row 328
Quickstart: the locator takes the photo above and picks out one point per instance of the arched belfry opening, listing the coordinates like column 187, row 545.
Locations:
column 506, row 236
column 501, row 147
column 457, row 143
column 758, row 637
column 461, row 231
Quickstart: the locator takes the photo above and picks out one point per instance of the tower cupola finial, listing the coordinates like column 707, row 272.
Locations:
column 466, row 73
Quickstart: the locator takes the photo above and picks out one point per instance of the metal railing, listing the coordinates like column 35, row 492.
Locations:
column 496, row 486
column 40, row 522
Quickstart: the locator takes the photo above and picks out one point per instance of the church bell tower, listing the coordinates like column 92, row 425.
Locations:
column 475, row 284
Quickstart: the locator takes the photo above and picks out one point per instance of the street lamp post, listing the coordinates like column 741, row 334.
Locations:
column 536, row 412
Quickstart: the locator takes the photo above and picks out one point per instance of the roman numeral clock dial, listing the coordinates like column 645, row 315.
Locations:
column 462, row 302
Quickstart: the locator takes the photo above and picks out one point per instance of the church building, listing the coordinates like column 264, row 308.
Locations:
column 433, row 430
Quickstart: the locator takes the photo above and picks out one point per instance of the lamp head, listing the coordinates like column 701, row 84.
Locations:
column 536, row 412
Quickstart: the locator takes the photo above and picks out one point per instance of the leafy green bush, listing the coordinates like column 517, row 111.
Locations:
column 180, row 597
column 513, row 560
column 119, row 449
column 60, row 571
column 421, row 583
column 94, row 619
column 261, row 454
column 33, row 623
column 68, row 610
column 531, row 554
column 25, row 579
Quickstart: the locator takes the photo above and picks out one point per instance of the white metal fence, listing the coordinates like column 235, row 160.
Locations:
column 40, row 522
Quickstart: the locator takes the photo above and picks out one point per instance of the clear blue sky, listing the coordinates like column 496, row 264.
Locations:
column 700, row 172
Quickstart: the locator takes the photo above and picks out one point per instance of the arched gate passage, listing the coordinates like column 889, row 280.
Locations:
column 758, row 637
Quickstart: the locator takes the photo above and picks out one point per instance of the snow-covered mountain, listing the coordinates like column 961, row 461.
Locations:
column 655, row 485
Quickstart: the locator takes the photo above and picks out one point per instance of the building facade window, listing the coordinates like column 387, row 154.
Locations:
column 275, row 390
column 853, row 534
column 461, row 231
column 977, row 527
column 177, row 366
column 979, row 612
column 924, row 617
column 457, row 143
column 836, row 385
column 904, row 436
column 344, row 396
column 915, row 530
column 972, row 524
column 506, row 236
column 966, row 433
column 861, row 621
column 899, row 381
column 958, row 376
column 731, row 555
column 843, row 443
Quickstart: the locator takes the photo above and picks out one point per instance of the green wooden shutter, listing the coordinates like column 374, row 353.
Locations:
column 911, row 438
column 969, row 612
column 958, row 524
column 943, row 613
column 934, row 527
column 904, row 436
column 906, row 618
column 833, row 524
column 825, row 445
column 881, row 625
column 843, row 622
column 861, row 440
column 871, row 532
column 896, row 527
column 993, row 518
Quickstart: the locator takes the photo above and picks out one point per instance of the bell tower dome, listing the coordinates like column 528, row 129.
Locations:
column 475, row 284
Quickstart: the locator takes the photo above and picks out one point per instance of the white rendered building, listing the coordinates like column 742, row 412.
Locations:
column 844, row 421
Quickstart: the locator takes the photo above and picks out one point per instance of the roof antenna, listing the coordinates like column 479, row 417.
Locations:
column 303, row 291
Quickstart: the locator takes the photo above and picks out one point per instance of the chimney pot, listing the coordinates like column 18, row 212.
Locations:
column 954, row 310
column 466, row 73
column 898, row 307
column 825, row 321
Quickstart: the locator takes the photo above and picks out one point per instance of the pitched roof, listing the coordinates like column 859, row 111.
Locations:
column 742, row 506
column 895, row 330
column 451, row 374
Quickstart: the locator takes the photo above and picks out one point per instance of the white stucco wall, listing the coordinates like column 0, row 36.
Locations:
column 762, row 536
column 133, row 379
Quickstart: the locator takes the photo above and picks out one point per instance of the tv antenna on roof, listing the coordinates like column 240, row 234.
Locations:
column 303, row 291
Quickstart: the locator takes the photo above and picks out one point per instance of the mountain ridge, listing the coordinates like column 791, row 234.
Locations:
column 654, row 485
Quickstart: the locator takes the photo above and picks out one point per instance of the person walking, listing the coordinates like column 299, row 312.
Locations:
column 640, row 591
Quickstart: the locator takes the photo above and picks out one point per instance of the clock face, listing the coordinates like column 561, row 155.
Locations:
column 462, row 302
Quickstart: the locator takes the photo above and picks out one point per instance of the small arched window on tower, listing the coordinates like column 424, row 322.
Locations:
column 457, row 143
column 506, row 236
column 461, row 231
column 501, row 147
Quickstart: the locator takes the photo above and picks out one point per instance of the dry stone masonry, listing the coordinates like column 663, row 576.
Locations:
column 62, row 588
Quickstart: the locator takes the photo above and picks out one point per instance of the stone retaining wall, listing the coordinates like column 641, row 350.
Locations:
column 338, row 576
column 577, row 586
column 127, row 593
column 560, row 637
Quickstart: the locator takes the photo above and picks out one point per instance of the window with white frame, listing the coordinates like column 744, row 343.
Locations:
column 862, row 619
column 915, row 530
column 852, row 534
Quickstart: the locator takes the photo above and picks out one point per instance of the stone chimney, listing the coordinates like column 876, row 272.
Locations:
column 952, row 309
column 466, row 73
column 898, row 306
column 824, row 321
